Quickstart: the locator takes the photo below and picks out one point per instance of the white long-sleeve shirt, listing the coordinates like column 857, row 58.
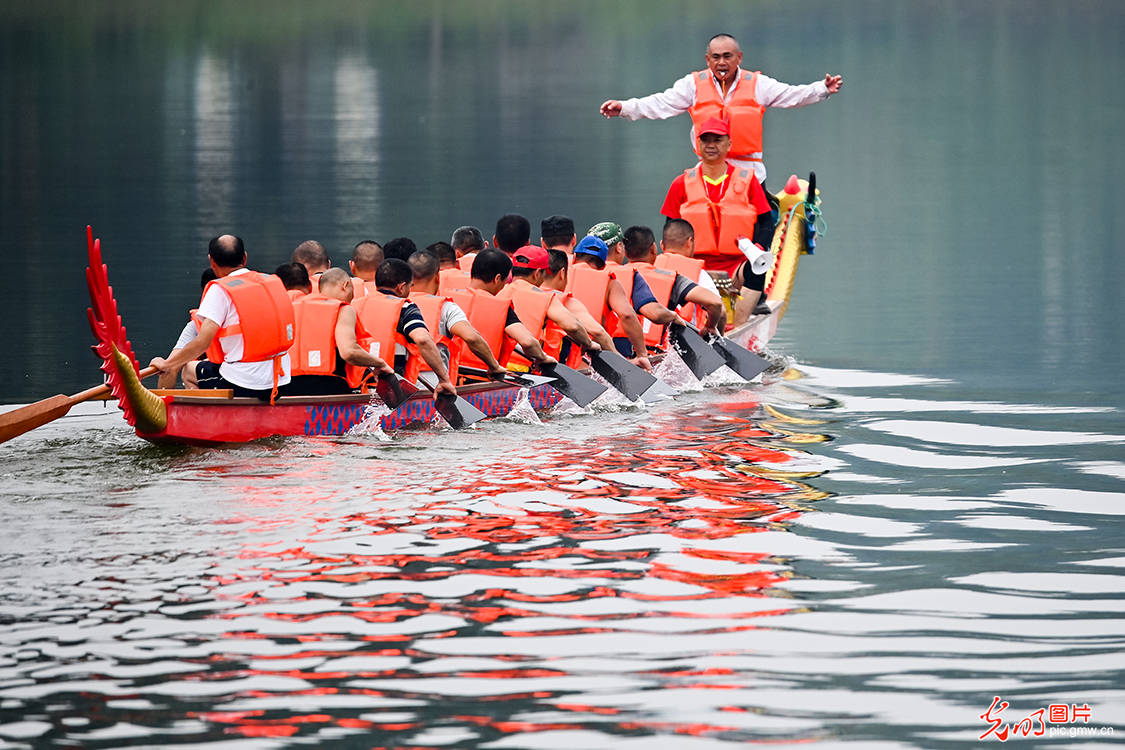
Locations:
column 681, row 97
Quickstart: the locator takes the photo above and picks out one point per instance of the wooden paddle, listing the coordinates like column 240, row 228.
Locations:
column 393, row 389
column 18, row 421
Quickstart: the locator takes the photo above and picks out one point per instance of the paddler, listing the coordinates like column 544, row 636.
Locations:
column 640, row 249
column 492, row 269
column 295, row 278
column 723, row 203
column 329, row 356
column 393, row 281
column 452, row 320
column 726, row 91
column 529, row 270
column 513, row 231
column 313, row 256
column 367, row 256
column 592, row 252
column 246, row 341
column 557, row 233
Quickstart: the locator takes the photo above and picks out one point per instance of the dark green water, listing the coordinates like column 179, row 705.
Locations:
column 624, row 578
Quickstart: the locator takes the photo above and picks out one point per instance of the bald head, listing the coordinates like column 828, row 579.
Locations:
column 312, row 255
column 227, row 251
column 336, row 283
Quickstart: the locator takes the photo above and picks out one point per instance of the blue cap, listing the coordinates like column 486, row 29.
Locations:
column 591, row 245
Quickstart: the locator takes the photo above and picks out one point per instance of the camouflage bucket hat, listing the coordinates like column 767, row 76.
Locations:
column 608, row 232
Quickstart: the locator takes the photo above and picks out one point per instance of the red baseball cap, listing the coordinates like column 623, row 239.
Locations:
column 713, row 125
column 531, row 256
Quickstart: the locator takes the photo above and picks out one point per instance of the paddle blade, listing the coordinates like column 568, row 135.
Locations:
column 740, row 359
column 573, row 384
column 622, row 374
column 700, row 358
column 457, row 411
column 18, row 421
column 392, row 389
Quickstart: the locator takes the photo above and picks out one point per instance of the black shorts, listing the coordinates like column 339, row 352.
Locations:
column 751, row 280
column 207, row 376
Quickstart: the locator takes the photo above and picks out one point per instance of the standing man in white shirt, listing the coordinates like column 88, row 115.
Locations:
column 726, row 91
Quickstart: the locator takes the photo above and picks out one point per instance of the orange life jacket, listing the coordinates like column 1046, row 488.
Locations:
column 431, row 305
column 378, row 313
column 660, row 282
column 719, row 225
column 265, row 315
column 295, row 294
column 691, row 268
column 742, row 112
column 590, row 286
column 314, row 346
column 489, row 316
column 465, row 262
column 361, row 288
column 624, row 276
column 450, row 279
column 531, row 304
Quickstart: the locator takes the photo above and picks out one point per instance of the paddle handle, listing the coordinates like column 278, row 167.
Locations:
column 103, row 389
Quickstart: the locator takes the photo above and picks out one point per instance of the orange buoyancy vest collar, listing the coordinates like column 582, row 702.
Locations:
column 691, row 268
column 719, row 225
column 741, row 111
column 450, row 279
column 265, row 317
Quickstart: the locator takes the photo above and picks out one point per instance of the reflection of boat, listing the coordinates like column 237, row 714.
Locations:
column 201, row 417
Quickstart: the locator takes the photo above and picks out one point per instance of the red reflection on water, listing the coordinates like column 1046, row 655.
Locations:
column 551, row 511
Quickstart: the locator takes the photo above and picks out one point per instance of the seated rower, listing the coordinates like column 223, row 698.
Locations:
column 312, row 255
column 389, row 305
column 640, row 249
column 467, row 241
column 452, row 319
column 247, row 342
column 557, row 233
column 606, row 299
column 678, row 241
column 536, row 307
column 295, row 278
column 443, row 251
column 329, row 353
column 367, row 256
column 491, row 270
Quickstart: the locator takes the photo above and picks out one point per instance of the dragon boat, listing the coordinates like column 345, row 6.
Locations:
column 215, row 417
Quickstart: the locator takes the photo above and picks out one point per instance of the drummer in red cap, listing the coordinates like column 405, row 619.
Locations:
column 724, row 203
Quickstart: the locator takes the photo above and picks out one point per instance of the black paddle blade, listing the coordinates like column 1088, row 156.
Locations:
column 697, row 354
column 740, row 359
column 393, row 390
column 573, row 384
column 622, row 374
column 457, row 411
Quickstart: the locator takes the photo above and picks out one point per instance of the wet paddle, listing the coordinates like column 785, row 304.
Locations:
column 622, row 374
column 18, row 421
column 573, row 384
column 454, row 409
column 746, row 363
column 393, row 389
column 696, row 353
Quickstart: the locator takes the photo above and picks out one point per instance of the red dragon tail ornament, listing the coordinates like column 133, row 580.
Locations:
column 143, row 409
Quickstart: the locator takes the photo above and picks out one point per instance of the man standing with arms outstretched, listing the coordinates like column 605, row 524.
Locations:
column 724, row 90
